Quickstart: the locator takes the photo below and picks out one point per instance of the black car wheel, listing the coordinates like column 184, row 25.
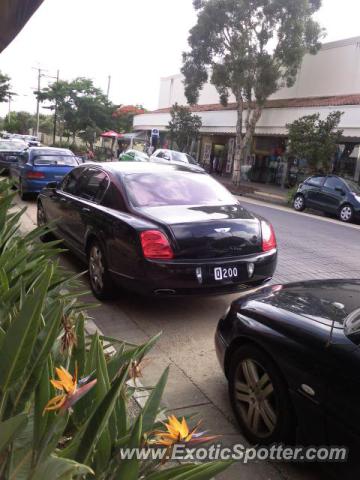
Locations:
column 100, row 280
column 346, row 213
column 259, row 397
column 299, row 202
column 41, row 222
column 23, row 195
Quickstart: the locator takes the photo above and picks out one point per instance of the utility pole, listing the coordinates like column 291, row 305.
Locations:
column 108, row 87
column 55, row 110
column 38, row 103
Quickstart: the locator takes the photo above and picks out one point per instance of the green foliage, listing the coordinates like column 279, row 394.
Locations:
column 183, row 127
column 251, row 48
column 42, row 326
column 5, row 88
column 315, row 140
column 22, row 122
column 81, row 107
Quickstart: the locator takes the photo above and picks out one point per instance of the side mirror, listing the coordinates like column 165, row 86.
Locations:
column 52, row 185
column 340, row 190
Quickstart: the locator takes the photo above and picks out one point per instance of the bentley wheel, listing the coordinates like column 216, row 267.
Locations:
column 299, row 203
column 346, row 213
column 41, row 222
column 259, row 397
column 99, row 276
column 23, row 195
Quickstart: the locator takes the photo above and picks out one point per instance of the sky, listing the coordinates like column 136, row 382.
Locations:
column 136, row 42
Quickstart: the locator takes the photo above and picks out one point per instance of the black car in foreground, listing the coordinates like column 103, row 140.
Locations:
column 10, row 152
column 158, row 229
column 329, row 194
column 292, row 358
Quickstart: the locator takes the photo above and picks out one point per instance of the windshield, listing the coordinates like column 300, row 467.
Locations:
column 354, row 187
column 179, row 157
column 175, row 188
column 55, row 160
column 12, row 145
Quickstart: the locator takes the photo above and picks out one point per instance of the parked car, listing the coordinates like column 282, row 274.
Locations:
column 292, row 359
column 133, row 156
column 37, row 166
column 164, row 155
column 330, row 194
column 10, row 151
column 158, row 230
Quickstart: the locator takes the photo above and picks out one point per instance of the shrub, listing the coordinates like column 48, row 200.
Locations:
column 74, row 425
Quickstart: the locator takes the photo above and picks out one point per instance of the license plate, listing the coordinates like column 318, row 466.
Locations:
column 226, row 273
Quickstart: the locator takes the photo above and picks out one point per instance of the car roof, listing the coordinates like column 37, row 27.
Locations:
column 144, row 167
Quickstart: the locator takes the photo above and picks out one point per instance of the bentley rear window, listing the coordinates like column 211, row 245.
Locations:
column 180, row 188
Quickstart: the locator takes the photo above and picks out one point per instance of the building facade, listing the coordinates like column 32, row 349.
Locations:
column 325, row 82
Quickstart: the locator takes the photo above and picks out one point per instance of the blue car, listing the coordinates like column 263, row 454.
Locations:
column 37, row 166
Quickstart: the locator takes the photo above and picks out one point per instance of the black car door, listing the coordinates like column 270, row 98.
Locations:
column 90, row 192
column 122, row 237
column 343, row 397
column 313, row 191
column 332, row 194
column 58, row 205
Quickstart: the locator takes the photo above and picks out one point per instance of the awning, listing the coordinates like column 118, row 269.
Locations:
column 14, row 14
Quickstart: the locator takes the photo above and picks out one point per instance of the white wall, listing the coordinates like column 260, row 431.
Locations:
column 335, row 70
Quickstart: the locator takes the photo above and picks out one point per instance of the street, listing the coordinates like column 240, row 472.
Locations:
column 310, row 247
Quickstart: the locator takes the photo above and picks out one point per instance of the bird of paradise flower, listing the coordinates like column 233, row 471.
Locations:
column 72, row 390
column 178, row 432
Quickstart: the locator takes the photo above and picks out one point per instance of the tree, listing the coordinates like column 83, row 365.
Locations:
column 79, row 105
column 183, row 127
column 19, row 122
column 5, row 92
column 252, row 48
column 315, row 140
column 124, row 116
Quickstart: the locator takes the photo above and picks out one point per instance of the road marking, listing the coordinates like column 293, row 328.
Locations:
column 291, row 211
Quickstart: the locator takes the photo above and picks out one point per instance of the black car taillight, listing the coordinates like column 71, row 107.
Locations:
column 155, row 245
column 268, row 236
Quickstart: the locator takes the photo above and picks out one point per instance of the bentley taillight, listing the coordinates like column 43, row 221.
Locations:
column 155, row 245
column 268, row 236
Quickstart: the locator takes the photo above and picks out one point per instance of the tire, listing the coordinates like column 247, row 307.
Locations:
column 265, row 414
column 299, row 202
column 41, row 222
column 23, row 195
column 346, row 213
column 100, row 279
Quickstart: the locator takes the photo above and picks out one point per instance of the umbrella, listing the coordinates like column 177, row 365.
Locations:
column 111, row 134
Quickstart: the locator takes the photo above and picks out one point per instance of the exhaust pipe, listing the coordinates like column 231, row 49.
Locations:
column 164, row 291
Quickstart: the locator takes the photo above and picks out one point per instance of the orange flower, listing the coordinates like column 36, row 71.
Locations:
column 178, row 432
column 72, row 391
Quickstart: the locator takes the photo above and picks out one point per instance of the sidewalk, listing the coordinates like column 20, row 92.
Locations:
column 260, row 191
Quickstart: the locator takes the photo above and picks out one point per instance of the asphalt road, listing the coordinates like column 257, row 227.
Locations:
column 309, row 247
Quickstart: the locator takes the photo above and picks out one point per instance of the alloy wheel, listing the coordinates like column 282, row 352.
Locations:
column 299, row 203
column 346, row 213
column 96, row 268
column 255, row 398
column 41, row 218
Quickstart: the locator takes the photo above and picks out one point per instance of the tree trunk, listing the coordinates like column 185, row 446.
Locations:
column 238, row 141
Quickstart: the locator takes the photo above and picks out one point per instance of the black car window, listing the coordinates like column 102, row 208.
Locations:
column 71, row 181
column 160, row 155
column 333, row 182
column 94, row 186
column 113, row 199
column 316, row 181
